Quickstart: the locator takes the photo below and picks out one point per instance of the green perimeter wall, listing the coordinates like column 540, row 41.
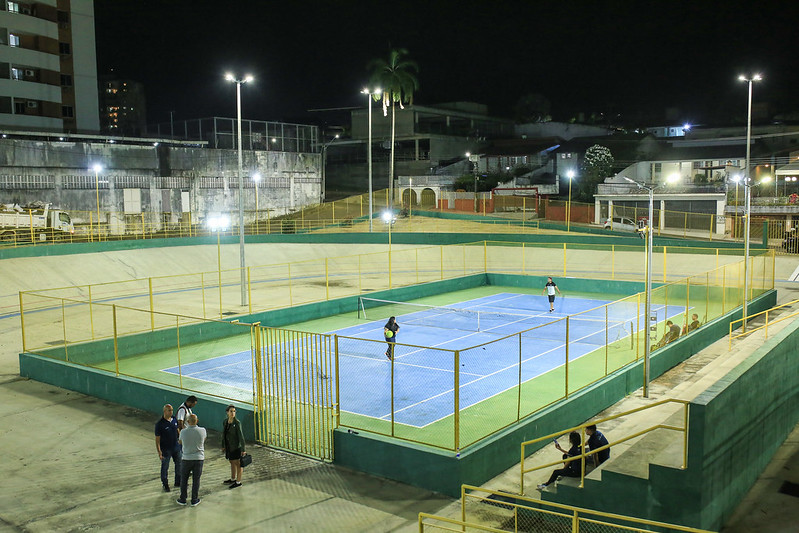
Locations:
column 132, row 392
column 445, row 472
column 585, row 236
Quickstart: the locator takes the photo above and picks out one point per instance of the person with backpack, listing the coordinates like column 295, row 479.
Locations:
column 184, row 411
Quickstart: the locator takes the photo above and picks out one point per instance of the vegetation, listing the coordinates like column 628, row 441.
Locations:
column 396, row 76
column 597, row 165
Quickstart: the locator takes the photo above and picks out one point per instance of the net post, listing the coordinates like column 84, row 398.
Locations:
column 327, row 280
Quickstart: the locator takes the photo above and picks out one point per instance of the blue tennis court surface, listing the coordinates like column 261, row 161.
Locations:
column 423, row 377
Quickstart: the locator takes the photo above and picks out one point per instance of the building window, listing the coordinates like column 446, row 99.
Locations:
column 19, row 107
column 67, row 111
column 66, row 80
column 13, row 40
column 13, row 7
column 64, row 49
column 63, row 17
column 17, row 74
column 658, row 167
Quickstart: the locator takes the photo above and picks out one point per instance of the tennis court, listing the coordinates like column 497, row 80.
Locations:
column 417, row 388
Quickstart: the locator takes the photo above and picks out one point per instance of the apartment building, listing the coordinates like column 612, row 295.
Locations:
column 48, row 66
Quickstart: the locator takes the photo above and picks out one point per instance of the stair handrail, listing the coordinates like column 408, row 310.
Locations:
column 581, row 428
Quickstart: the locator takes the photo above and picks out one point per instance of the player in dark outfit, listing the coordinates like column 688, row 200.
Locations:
column 393, row 327
column 550, row 289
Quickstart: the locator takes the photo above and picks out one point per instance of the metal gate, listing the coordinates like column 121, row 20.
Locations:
column 293, row 380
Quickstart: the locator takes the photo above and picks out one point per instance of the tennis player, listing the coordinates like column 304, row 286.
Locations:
column 550, row 289
column 390, row 333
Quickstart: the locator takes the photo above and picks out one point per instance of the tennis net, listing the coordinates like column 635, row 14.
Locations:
column 582, row 329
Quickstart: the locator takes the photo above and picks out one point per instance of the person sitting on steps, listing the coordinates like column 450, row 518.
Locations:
column 570, row 468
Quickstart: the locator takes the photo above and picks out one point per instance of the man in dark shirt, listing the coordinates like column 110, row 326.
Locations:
column 596, row 440
column 166, row 443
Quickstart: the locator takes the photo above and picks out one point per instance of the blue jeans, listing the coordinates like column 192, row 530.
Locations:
column 174, row 455
column 195, row 468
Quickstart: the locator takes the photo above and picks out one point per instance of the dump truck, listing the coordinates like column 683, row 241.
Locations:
column 34, row 221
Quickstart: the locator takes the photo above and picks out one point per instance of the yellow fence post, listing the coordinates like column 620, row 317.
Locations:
column 91, row 312
column 360, row 285
column 64, row 328
column 327, row 281
column 524, row 259
column 152, row 316
column 291, row 300
column 116, row 346
column 417, row 264
column 612, row 261
column 143, row 229
column 180, row 367
column 442, row 261
column 22, row 321
column 567, row 357
column 249, row 291
column 564, row 258
column 456, row 407
column 202, row 289
column 485, row 256
column 638, row 325
column 664, row 264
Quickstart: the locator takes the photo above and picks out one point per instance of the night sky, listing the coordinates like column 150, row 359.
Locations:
column 633, row 58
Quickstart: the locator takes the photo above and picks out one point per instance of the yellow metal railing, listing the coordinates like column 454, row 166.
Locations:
column 581, row 428
column 735, row 324
column 496, row 511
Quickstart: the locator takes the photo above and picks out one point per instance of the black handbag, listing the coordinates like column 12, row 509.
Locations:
column 246, row 460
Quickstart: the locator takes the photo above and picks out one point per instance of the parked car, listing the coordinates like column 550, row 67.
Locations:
column 621, row 224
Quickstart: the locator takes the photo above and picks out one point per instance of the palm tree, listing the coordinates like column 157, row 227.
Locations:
column 397, row 79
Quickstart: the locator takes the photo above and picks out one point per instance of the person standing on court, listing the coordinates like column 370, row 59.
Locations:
column 166, row 443
column 550, row 289
column 193, row 440
column 390, row 333
column 233, row 444
column 184, row 411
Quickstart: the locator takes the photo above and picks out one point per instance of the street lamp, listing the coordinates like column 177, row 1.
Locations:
column 369, row 95
column 648, row 303
column 747, row 183
column 97, row 169
column 218, row 225
column 324, row 166
column 239, row 82
column 570, row 175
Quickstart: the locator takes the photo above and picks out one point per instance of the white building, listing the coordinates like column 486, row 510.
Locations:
column 48, row 66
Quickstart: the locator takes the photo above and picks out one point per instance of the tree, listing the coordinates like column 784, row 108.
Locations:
column 532, row 107
column 597, row 165
column 397, row 79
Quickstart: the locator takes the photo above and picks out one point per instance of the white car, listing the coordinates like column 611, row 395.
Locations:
column 621, row 224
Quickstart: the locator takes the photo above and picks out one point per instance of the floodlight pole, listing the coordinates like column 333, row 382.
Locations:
column 648, row 293
column 748, row 197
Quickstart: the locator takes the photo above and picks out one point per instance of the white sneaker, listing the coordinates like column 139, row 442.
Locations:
column 542, row 487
